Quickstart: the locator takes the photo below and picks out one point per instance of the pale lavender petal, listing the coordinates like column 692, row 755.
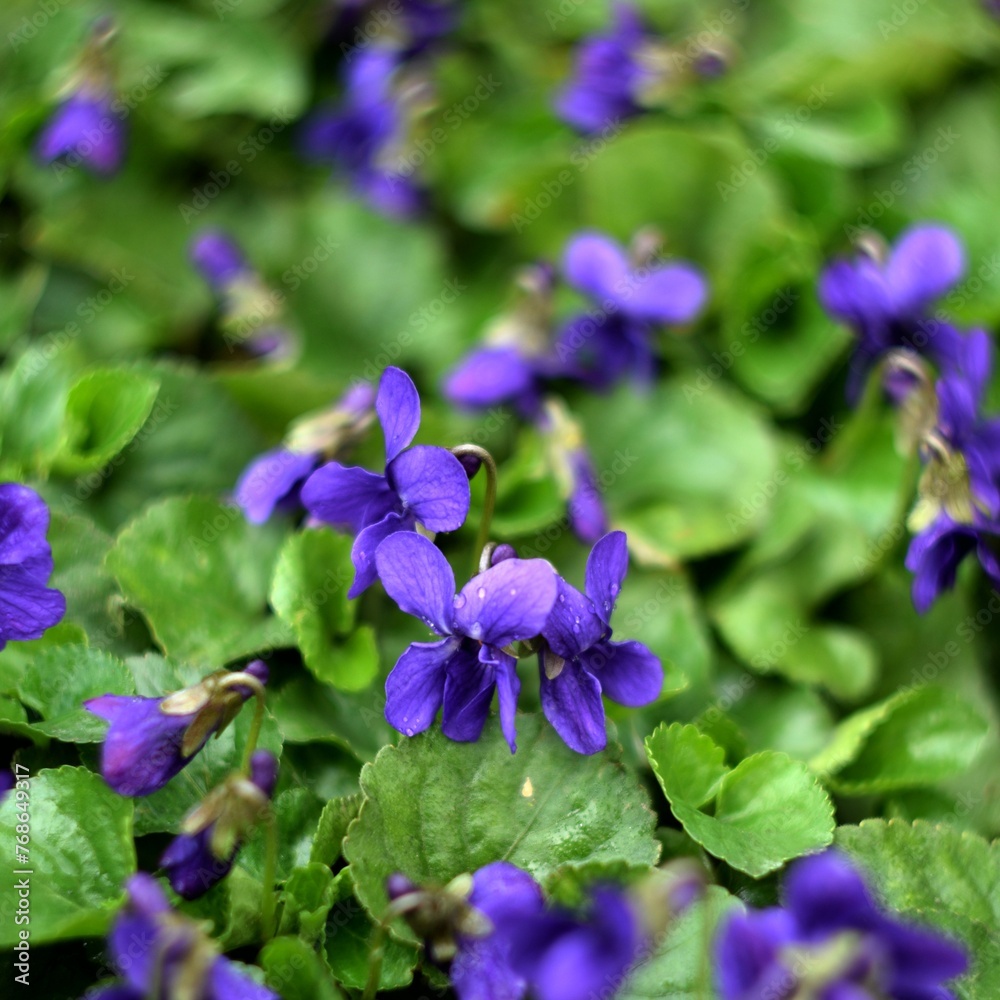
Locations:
column 595, row 264
column 925, row 263
column 628, row 672
column 432, row 485
column 398, row 408
column 418, row 578
column 572, row 702
column 510, row 601
column 365, row 549
column 415, row 685
column 346, row 496
column 674, row 293
column 607, row 565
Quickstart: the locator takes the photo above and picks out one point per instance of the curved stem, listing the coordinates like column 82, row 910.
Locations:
column 489, row 501
column 375, row 957
column 270, row 869
column 240, row 679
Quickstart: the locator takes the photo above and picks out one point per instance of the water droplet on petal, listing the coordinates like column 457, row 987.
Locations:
column 481, row 592
column 562, row 598
column 409, row 732
column 459, row 601
column 614, row 589
column 513, row 592
column 476, row 630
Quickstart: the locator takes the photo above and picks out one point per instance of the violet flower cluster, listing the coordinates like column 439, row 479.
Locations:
column 512, row 601
column 831, row 940
column 886, row 297
column 527, row 356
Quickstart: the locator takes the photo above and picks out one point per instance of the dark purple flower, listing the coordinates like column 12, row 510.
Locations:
column 830, row 917
column 149, row 740
column 609, row 76
column 159, row 953
column 273, row 481
column 203, row 853
column 85, row 129
column 886, row 302
column 581, row 662
column 599, row 348
column 568, row 956
column 364, row 136
column 27, row 606
column 507, row 603
column 423, row 485
column 482, row 968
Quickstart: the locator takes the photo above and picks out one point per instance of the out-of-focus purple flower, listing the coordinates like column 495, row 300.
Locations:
column 273, row 481
column 630, row 299
column 160, row 953
column 414, row 25
column 7, row 782
column 483, row 965
column 569, row 956
column 830, row 922
column 886, row 302
column 609, row 77
column 219, row 259
column 364, row 137
column 509, row 602
column 27, row 606
column 203, row 853
column 422, row 484
column 581, row 662
column 149, row 740
column 85, row 129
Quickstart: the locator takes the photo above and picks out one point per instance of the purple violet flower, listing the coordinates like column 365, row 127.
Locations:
column 219, row 259
column 27, row 606
column 158, row 952
column 581, row 662
column 203, row 853
column 150, row 740
column 85, row 129
column 422, row 484
column 568, row 956
column 495, row 376
column 609, row 76
column 830, row 916
column 631, row 299
column 482, row 967
column 509, row 602
column 363, row 136
column 886, row 302
column 273, row 481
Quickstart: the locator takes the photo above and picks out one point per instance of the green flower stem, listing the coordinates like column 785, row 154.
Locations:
column 489, row 501
column 270, row 871
column 376, row 952
column 241, row 679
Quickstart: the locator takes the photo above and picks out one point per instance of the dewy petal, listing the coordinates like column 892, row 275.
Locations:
column 674, row 293
column 607, row 565
column 432, row 485
column 272, row 479
column 398, row 409
column 491, row 376
column 925, row 262
column 573, row 625
column 572, row 702
column 142, row 749
column 418, row 578
column 628, row 672
column 344, row 495
column 508, row 688
column 24, row 519
column 468, row 692
column 366, row 546
column 595, row 264
column 27, row 606
column 510, row 601
column 226, row 981
column 415, row 685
